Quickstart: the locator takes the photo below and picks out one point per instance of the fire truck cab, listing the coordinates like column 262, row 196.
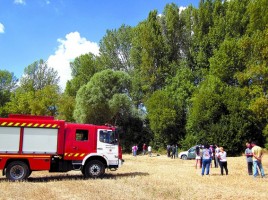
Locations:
column 32, row 143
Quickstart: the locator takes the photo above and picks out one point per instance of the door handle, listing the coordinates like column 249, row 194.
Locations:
column 75, row 148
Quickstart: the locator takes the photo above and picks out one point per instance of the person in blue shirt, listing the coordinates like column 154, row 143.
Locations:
column 206, row 160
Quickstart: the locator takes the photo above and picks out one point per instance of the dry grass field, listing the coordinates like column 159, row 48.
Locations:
column 144, row 177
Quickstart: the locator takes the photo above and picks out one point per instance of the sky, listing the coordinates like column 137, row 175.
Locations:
column 58, row 31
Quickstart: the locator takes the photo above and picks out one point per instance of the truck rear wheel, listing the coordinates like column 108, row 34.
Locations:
column 17, row 171
column 94, row 169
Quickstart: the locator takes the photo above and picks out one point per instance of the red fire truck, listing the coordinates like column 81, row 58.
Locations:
column 32, row 143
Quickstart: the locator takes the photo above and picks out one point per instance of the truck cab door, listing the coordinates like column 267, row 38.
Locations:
column 107, row 145
column 77, row 144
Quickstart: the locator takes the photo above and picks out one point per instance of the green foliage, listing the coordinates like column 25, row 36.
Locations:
column 45, row 101
column 66, row 107
column 173, row 32
column 236, row 19
column 38, row 92
column 120, row 106
column 227, row 61
column 20, row 102
column 220, row 115
column 83, row 68
column 8, row 82
column 162, row 117
column 92, row 100
column 134, row 131
column 41, row 102
column 257, row 12
column 148, row 54
column 37, row 76
column 115, row 49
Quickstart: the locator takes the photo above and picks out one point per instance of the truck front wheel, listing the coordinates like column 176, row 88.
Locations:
column 94, row 169
column 17, row 171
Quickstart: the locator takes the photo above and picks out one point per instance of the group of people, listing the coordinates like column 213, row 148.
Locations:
column 172, row 151
column 144, row 149
column 205, row 154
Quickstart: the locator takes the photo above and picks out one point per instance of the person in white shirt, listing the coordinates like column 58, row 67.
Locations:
column 150, row 151
column 223, row 160
column 217, row 151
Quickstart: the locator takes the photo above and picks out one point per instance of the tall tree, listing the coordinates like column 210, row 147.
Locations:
column 202, row 22
column 20, row 102
column 38, row 75
column 227, row 61
column 8, row 82
column 149, row 54
column 38, row 92
column 220, row 115
column 83, row 68
column 254, row 78
column 236, row 18
column 45, row 101
column 258, row 18
column 173, row 29
column 162, row 117
column 66, row 107
column 103, row 98
column 115, row 49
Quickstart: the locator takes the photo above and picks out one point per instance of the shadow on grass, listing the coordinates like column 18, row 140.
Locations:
column 67, row 177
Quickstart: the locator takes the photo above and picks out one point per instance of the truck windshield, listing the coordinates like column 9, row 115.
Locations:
column 108, row 136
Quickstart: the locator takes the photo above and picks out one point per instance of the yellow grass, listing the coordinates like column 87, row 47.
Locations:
column 144, row 177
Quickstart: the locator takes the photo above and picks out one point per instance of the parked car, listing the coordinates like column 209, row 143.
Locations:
column 190, row 154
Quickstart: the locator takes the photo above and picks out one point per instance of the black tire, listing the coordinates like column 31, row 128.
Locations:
column 17, row 171
column 83, row 171
column 184, row 157
column 30, row 172
column 94, row 169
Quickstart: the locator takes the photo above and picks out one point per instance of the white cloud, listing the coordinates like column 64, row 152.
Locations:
column 2, row 28
column 181, row 8
column 69, row 48
column 22, row 2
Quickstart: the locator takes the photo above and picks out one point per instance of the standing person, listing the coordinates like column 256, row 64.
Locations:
column 173, row 151
column 149, row 150
column 217, row 151
column 223, row 160
column 168, row 150
column 249, row 155
column 135, row 149
column 212, row 154
column 201, row 153
column 144, row 149
column 257, row 153
column 177, row 153
column 197, row 157
column 206, row 160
